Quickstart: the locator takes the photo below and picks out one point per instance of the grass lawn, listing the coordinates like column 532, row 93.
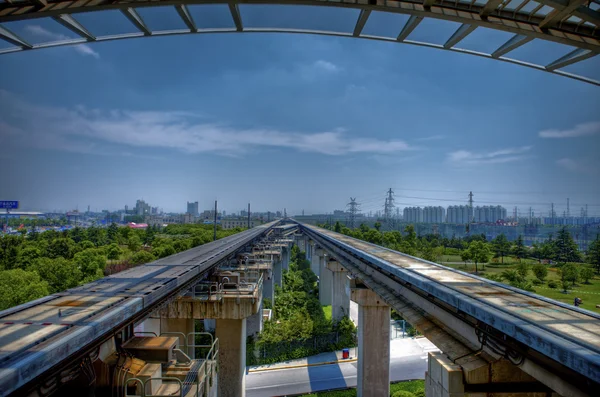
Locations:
column 412, row 386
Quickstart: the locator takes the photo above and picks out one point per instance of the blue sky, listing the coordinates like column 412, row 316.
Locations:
column 296, row 121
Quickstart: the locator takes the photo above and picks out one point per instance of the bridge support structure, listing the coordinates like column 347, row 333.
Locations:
column 373, row 343
column 315, row 261
column 325, row 280
column 230, row 307
column 340, row 300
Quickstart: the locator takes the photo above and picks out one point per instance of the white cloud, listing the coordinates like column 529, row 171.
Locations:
column 578, row 166
column 87, row 130
column 431, row 138
column 583, row 129
column 39, row 31
column 466, row 157
column 326, row 65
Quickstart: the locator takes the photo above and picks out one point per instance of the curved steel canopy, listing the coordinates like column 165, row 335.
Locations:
column 575, row 23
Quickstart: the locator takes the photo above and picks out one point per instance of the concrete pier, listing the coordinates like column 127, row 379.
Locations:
column 373, row 344
column 340, row 298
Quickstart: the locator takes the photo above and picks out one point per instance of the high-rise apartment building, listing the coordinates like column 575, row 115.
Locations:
column 490, row 214
column 413, row 214
column 459, row 214
column 192, row 208
column 142, row 208
column 434, row 215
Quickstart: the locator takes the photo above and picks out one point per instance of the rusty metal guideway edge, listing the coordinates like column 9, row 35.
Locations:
column 78, row 341
column 560, row 348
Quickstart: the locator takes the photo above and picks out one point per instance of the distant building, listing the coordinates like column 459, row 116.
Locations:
column 490, row 214
column 434, row 215
column 459, row 214
column 231, row 223
column 413, row 214
column 142, row 208
column 192, row 208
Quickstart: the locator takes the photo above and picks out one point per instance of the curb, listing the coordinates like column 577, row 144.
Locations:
column 350, row 360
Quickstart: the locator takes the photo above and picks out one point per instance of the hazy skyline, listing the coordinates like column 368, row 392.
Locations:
column 292, row 121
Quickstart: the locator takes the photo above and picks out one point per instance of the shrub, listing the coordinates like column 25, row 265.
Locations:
column 552, row 284
column 540, row 271
column 419, row 393
column 403, row 393
column 537, row 282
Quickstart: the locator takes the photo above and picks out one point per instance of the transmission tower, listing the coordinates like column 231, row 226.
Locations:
column 352, row 210
column 388, row 207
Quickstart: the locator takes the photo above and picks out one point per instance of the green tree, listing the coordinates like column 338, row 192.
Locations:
column 9, row 251
column 112, row 233
column 133, row 243
column 586, row 274
column 148, row 235
column 593, row 254
column 142, row 257
column 91, row 262
column 61, row 248
column 28, row 255
column 480, row 253
column 60, row 273
column 19, row 286
column 77, row 234
column 565, row 248
column 519, row 249
column 523, row 269
column 114, row 252
column 569, row 274
column 540, row 271
column 465, row 256
column 501, row 246
column 377, row 225
column 338, row 227
column 96, row 235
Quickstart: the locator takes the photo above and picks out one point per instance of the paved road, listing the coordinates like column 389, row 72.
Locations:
column 408, row 361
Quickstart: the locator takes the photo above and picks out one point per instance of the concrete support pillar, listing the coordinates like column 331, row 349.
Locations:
column 315, row 261
column 373, row 344
column 286, row 257
column 254, row 323
column 232, row 357
column 325, row 282
column 340, row 293
column 149, row 325
column 277, row 272
column 179, row 325
column 268, row 285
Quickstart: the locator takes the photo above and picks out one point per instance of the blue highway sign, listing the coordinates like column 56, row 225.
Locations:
column 10, row 205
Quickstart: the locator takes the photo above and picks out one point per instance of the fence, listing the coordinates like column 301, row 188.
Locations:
column 272, row 352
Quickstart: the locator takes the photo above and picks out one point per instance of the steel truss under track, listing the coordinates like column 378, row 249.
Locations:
column 575, row 23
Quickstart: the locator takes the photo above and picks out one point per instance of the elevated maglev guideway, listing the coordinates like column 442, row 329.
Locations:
column 555, row 343
column 573, row 23
column 46, row 336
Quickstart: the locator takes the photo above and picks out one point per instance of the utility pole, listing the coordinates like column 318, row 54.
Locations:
column 530, row 215
column 552, row 213
column 353, row 210
column 268, row 216
column 389, row 205
column 285, row 212
column 248, row 215
column 215, row 223
column 470, row 207
column 568, row 209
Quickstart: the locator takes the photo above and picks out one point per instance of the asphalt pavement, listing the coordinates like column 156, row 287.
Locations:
column 408, row 360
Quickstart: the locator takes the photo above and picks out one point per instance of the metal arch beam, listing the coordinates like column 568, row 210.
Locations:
column 360, row 22
column 576, row 35
column 557, row 15
column 581, row 11
column 463, row 31
column 75, row 26
column 184, row 13
column 299, row 31
column 513, row 43
column 409, row 26
column 237, row 18
column 12, row 38
column 571, row 58
column 489, row 7
column 137, row 20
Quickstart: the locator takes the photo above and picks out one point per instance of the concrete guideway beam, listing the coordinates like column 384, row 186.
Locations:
column 373, row 344
column 440, row 325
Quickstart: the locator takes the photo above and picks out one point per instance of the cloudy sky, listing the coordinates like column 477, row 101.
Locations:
column 291, row 121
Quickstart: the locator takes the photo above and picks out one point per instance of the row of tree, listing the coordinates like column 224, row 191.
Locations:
column 33, row 264
column 561, row 249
